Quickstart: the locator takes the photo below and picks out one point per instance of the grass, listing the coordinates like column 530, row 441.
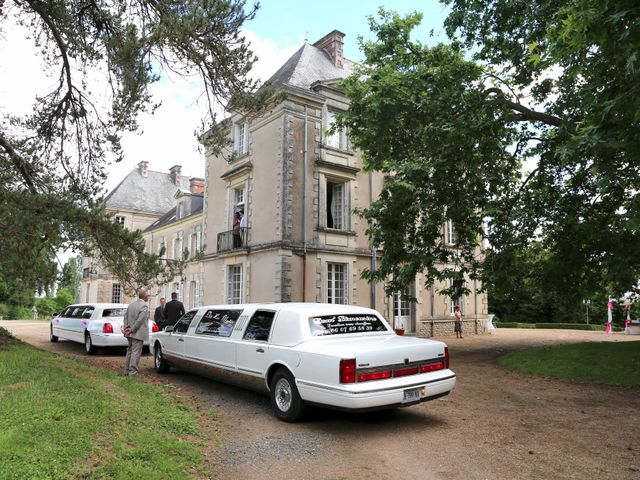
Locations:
column 65, row 419
column 613, row 363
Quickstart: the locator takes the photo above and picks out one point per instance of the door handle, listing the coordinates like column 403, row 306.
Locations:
column 259, row 350
column 181, row 339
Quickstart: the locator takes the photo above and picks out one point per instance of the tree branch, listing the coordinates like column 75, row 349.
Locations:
column 526, row 114
column 19, row 163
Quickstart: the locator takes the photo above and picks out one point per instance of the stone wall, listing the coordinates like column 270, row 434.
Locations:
column 444, row 326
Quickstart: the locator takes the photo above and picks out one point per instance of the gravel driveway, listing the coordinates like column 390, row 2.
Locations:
column 497, row 424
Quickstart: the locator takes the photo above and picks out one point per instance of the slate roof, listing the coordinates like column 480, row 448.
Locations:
column 170, row 217
column 308, row 66
column 152, row 194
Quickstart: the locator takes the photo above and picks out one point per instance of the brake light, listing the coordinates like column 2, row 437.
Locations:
column 446, row 357
column 401, row 372
column 348, row 370
column 107, row 328
column 431, row 367
column 154, row 327
column 365, row 377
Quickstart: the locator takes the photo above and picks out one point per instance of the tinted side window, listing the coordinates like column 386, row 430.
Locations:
column 182, row 325
column 87, row 312
column 218, row 322
column 77, row 312
column 114, row 312
column 67, row 312
column 259, row 326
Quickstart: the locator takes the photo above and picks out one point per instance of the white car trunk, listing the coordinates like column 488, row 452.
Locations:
column 381, row 350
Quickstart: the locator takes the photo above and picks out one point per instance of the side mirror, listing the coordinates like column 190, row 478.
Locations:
column 168, row 328
column 55, row 314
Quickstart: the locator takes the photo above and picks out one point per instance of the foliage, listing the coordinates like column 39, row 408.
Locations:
column 539, row 132
column 47, row 307
column 613, row 363
column 53, row 162
column 63, row 298
column 70, row 276
column 54, row 408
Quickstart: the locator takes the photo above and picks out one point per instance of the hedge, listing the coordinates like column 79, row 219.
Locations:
column 569, row 326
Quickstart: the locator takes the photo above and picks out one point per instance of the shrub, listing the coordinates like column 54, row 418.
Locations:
column 20, row 313
column 4, row 311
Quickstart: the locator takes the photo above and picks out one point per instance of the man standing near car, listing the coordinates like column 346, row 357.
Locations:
column 174, row 309
column 136, row 330
column 160, row 315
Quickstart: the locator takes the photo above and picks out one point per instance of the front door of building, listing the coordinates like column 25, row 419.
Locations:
column 402, row 310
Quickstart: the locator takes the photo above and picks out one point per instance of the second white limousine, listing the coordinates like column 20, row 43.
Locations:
column 336, row 356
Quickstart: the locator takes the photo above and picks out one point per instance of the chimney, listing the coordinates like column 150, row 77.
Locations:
column 175, row 174
column 196, row 185
column 142, row 168
column 332, row 44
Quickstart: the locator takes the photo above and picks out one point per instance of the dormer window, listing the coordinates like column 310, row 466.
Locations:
column 241, row 138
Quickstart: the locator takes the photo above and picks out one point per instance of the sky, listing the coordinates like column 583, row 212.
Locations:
column 167, row 138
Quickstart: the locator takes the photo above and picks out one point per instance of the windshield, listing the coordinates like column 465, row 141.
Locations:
column 340, row 324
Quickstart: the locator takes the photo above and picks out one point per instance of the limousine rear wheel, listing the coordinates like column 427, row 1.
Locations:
column 285, row 399
column 162, row 366
column 89, row 348
column 53, row 338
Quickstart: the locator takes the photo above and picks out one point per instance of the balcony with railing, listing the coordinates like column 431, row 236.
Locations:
column 231, row 240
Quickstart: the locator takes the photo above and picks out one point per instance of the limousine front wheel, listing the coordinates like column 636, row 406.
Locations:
column 160, row 363
column 285, row 399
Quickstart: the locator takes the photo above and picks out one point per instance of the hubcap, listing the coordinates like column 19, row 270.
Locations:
column 158, row 357
column 87, row 343
column 283, row 394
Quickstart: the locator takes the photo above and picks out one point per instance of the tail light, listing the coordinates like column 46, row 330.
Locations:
column 446, row 357
column 365, row 377
column 107, row 328
column 348, row 370
column 431, row 367
column 154, row 327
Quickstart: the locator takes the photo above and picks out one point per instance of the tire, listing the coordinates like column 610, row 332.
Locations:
column 285, row 399
column 162, row 366
column 52, row 337
column 89, row 348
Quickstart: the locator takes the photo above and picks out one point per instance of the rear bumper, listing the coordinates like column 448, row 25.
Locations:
column 375, row 397
column 110, row 340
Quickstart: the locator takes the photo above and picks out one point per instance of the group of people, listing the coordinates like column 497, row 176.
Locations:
column 136, row 325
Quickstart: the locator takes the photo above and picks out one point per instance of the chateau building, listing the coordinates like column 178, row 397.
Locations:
column 297, row 186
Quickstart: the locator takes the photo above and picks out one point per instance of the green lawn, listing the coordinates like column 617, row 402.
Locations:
column 62, row 419
column 614, row 363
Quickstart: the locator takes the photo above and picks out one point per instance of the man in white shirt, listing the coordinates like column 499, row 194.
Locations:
column 243, row 227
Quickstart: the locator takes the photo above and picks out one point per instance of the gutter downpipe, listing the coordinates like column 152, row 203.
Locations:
column 373, row 249
column 304, row 211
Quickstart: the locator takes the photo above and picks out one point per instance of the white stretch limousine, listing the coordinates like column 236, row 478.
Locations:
column 336, row 356
column 94, row 325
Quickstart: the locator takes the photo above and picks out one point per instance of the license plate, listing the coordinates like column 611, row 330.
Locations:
column 412, row 395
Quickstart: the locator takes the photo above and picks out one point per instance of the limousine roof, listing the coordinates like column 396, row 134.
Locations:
column 307, row 308
column 291, row 328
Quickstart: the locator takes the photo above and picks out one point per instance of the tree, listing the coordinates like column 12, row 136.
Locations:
column 530, row 120
column 53, row 162
column 70, row 277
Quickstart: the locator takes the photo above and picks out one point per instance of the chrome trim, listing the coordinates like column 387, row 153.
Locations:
column 401, row 387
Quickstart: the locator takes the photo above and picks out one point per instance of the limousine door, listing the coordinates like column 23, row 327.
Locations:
column 252, row 352
column 174, row 344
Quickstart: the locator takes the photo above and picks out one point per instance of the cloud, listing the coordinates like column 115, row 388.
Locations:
column 167, row 137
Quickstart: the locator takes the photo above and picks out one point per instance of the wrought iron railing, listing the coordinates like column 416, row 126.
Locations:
column 231, row 240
